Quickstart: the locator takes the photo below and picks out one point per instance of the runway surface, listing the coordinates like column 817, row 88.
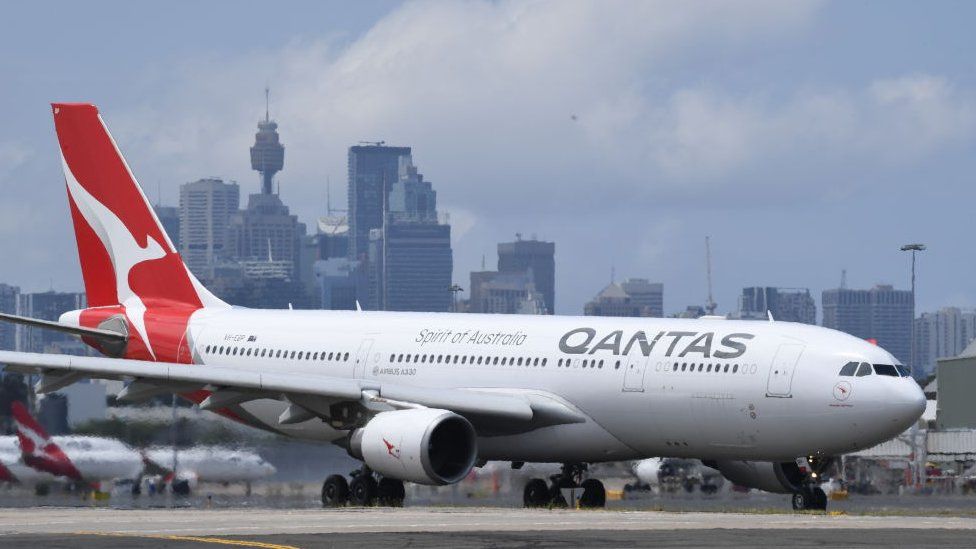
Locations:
column 467, row 527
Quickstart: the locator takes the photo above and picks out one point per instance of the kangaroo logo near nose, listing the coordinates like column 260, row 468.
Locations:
column 842, row 391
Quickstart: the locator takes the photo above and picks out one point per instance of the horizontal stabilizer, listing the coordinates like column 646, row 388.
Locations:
column 57, row 326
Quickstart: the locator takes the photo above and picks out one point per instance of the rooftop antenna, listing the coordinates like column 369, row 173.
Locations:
column 482, row 262
column 267, row 103
column 710, row 305
column 843, row 279
column 613, row 273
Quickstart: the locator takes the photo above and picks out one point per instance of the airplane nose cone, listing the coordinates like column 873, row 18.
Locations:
column 908, row 401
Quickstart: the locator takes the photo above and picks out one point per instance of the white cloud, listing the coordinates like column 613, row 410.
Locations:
column 582, row 111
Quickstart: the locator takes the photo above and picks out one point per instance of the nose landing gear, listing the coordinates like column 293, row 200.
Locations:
column 810, row 498
column 539, row 494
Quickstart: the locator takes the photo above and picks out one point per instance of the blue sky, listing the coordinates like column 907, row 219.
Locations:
column 804, row 137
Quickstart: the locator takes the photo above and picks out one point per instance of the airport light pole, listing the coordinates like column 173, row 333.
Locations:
column 454, row 289
column 914, row 248
column 920, row 456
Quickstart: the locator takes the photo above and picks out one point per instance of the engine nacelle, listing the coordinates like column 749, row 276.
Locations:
column 771, row 476
column 423, row 445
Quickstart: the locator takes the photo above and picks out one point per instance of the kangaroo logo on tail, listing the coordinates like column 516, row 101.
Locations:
column 37, row 448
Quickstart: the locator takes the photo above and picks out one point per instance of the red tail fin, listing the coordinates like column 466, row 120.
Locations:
column 125, row 253
column 128, row 262
column 37, row 448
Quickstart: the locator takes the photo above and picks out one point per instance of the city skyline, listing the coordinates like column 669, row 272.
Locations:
column 541, row 150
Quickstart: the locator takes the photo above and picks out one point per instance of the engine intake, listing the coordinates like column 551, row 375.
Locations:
column 424, row 445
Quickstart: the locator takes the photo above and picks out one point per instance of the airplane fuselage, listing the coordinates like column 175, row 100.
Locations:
column 705, row 388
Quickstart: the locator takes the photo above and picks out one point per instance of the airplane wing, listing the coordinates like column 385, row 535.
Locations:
column 308, row 396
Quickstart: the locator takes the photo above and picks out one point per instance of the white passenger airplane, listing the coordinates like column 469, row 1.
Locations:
column 424, row 397
column 76, row 459
column 206, row 464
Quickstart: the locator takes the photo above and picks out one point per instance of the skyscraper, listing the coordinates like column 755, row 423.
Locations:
column 645, row 293
column 614, row 301
column 413, row 270
column 267, row 154
column 410, row 261
column 942, row 334
column 882, row 314
column 539, row 256
column 8, row 304
column 373, row 169
column 206, row 207
column 785, row 304
column 504, row 293
column 169, row 218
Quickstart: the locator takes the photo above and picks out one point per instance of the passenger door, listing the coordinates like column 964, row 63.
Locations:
column 636, row 365
column 362, row 357
column 781, row 371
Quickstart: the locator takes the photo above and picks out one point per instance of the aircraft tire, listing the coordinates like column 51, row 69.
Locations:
column 335, row 491
column 390, row 492
column 594, row 495
column 536, row 493
column 362, row 491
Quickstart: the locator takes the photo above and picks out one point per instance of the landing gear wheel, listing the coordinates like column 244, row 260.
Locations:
column 362, row 491
column 390, row 492
column 335, row 491
column 536, row 493
column 819, row 499
column 594, row 495
column 810, row 499
column 801, row 501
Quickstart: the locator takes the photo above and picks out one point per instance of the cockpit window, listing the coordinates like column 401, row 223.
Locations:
column 864, row 369
column 849, row 369
column 905, row 371
column 885, row 370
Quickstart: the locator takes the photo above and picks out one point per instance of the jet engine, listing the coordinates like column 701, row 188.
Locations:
column 422, row 445
column 771, row 476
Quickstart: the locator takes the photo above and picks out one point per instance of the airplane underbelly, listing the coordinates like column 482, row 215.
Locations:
column 587, row 442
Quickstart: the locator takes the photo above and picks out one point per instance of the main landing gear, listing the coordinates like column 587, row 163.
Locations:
column 539, row 494
column 364, row 490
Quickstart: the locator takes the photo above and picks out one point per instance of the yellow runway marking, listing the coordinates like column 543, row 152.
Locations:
column 198, row 539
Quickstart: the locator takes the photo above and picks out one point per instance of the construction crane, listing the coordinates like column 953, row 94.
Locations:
column 710, row 305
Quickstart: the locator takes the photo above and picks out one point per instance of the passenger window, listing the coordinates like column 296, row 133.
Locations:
column 495, row 361
column 849, row 369
column 617, row 365
column 347, row 356
column 864, row 369
column 709, row 368
column 601, row 364
column 464, row 359
column 544, row 360
column 885, row 370
column 735, row 368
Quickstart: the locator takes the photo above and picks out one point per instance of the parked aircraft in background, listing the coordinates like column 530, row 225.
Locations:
column 80, row 459
column 424, row 397
column 205, row 464
column 14, row 470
